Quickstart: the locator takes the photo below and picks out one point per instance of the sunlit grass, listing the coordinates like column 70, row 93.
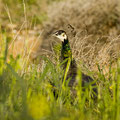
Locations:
column 30, row 95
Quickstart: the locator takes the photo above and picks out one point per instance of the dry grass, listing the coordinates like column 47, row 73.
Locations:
column 25, row 43
column 97, row 25
column 23, row 35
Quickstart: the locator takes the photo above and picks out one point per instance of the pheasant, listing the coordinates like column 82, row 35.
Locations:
column 66, row 54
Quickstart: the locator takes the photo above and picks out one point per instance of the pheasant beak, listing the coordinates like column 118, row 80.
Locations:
column 55, row 34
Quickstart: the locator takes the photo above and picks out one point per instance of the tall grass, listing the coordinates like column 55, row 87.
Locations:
column 30, row 96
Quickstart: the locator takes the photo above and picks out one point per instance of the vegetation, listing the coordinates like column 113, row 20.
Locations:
column 26, row 92
column 18, row 8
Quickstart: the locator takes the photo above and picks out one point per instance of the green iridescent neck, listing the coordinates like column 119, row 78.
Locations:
column 66, row 51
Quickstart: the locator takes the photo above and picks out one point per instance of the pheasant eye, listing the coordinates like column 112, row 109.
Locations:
column 63, row 35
